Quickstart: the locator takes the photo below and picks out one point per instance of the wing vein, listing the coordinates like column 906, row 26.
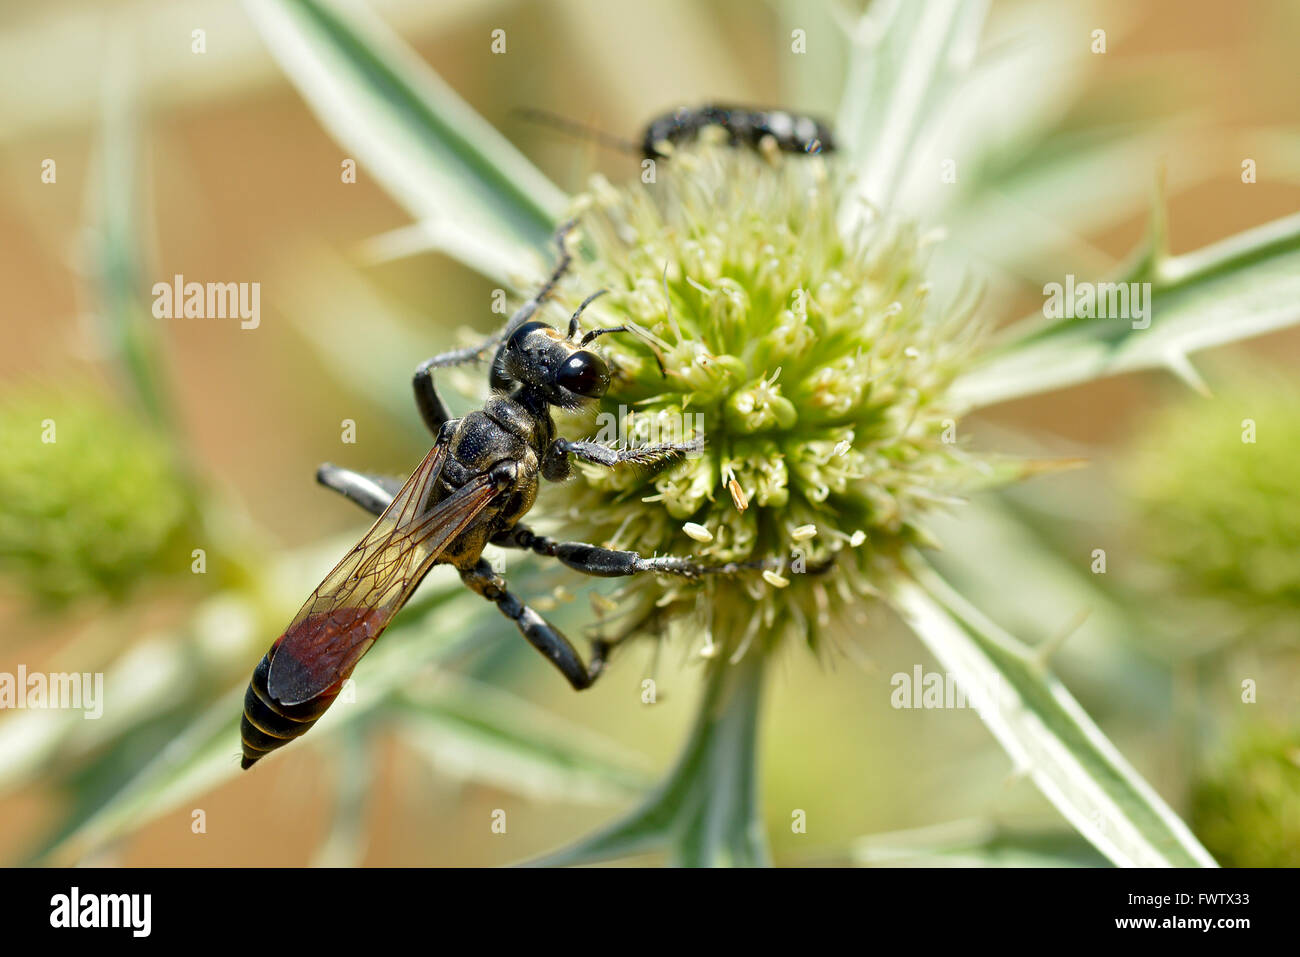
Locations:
column 349, row 610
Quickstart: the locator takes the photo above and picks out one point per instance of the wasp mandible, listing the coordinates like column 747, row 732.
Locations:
column 472, row 488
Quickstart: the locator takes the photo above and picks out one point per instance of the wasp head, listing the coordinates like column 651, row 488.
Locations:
column 546, row 361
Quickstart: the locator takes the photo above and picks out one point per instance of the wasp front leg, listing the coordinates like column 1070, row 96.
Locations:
column 542, row 635
column 433, row 409
column 431, row 405
column 556, row 466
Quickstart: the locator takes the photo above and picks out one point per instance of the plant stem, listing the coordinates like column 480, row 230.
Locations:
column 718, row 773
column 706, row 812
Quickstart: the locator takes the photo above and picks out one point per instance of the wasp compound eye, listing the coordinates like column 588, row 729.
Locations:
column 584, row 373
column 520, row 335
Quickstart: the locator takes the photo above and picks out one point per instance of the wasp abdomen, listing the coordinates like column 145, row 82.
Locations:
column 267, row 724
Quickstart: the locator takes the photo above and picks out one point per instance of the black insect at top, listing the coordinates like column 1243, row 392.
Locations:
column 792, row 132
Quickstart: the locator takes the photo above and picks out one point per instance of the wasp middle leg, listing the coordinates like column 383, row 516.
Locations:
column 603, row 562
column 540, row 633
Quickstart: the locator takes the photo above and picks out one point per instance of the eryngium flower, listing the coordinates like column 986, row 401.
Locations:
column 90, row 500
column 1214, row 482
column 1247, row 811
column 811, row 361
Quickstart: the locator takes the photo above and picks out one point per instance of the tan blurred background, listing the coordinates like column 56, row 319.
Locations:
column 240, row 183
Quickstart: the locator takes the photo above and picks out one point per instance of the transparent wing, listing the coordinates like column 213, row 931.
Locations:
column 346, row 614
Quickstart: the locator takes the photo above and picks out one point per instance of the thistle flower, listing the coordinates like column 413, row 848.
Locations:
column 809, row 365
column 1214, row 485
column 1247, row 811
column 90, row 501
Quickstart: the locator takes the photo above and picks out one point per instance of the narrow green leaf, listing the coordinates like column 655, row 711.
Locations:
column 360, row 337
column 175, row 669
column 1046, row 733
column 129, row 328
column 1242, row 287
column 904, row 59
column 202, row 756
column 1029, row 55
column 706, row 812
column 478, row 197
column 205, row 753
column 1031, row 216
column 1058, row 598
column 471, row 730
column 345, row 844
column 974, row 843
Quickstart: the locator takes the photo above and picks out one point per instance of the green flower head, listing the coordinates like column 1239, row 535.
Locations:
column 1247, row 811
column 90, row 501
column 809, row 362
column 1214, row 482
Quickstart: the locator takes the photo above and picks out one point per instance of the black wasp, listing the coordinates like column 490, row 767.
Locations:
column 473, row 487
column 743, row 126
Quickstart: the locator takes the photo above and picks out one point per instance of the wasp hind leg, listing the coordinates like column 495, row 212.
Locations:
column 542, row 635
column 374, row 493
column 371, row 492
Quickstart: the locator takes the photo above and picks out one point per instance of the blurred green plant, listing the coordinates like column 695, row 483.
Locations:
column 98, row 496
column 928, row 47
column 1247, row 808
column 974, row 843
column 1213, row 483
column 105, row 503
column 91, row 500
column 915, row 92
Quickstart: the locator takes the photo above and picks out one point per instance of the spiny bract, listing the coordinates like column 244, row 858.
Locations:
column 812, row 362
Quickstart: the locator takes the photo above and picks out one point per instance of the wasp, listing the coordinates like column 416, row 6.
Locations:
column 743, row 126
column 472, row 488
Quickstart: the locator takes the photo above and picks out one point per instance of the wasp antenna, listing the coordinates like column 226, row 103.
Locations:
column 574, row 128
column 573, row 320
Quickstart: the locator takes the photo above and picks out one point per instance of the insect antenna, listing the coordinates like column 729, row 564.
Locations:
column 574, row 128
column 573, row 320
column 596, row 333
